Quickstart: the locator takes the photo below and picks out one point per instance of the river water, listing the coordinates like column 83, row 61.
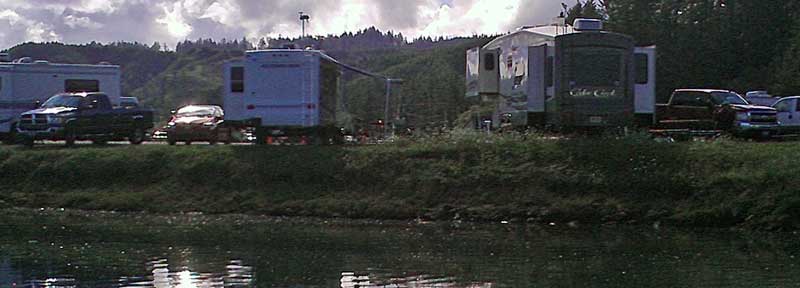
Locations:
column 70, row 249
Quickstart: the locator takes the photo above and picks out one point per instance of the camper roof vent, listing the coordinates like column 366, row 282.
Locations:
column 41, row 62
column 583, row 24
column 24, row 60
column 5, row 58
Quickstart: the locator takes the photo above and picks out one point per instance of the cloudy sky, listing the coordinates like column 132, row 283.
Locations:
column 147, row 21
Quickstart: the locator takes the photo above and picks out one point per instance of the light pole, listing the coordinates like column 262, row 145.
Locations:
column 389, row 82
column 303, row 19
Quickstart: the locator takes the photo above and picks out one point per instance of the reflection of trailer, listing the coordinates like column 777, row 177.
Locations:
column 564, row 76
column 286, row 92
column 23, row 83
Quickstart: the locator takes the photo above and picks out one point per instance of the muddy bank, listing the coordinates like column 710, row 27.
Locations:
column 458, row 177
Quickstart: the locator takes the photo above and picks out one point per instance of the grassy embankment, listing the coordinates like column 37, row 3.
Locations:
column 461, row 176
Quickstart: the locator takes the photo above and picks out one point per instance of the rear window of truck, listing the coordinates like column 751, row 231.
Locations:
column 76, row 86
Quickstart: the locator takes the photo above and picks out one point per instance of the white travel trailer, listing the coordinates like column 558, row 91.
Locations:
column 564, row 76
column 24, row 82
column 283, row 92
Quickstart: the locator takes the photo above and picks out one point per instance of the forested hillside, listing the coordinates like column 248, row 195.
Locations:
column 740, row 45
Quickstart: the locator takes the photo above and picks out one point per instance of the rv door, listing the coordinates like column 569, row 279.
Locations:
column 645, row 98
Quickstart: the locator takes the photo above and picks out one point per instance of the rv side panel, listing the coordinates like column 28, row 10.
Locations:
column 282, row 88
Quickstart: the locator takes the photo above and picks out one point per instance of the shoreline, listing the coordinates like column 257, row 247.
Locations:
column 461, row 177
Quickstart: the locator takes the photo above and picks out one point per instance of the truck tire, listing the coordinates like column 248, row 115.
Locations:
column 69, row 138
column 27, row 142
column 11, row 137
column 137, row 136
column 212, row 140
column 228, row 136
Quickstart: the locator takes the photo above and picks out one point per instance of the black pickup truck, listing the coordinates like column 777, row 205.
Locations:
column 83, row 116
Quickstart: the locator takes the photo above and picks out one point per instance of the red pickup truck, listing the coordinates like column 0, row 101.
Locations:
column 709, row 109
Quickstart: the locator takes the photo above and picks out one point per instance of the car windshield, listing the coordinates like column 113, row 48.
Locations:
column 195, row 111
column 721, row 98
column 62, row 101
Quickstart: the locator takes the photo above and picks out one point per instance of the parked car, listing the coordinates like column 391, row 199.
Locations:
column 788, row 114
column 83, row 116
column 709, row 109
column 198, row 123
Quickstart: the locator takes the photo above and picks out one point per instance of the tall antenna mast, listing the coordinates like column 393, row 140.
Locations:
column 304, row 18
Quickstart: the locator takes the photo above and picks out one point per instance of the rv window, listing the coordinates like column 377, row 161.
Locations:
column 595, row 67
column 237, row 79
column 548, row 71
column 74, row 86
column 488, row 61
column 642, row 71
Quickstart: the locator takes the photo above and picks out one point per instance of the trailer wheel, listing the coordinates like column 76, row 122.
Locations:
column 261, row 136
column 137, row 136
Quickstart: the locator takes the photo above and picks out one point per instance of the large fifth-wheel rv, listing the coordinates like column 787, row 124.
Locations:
column 24, row 83
column 564, row 77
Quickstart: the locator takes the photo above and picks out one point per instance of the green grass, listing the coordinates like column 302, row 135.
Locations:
column 462, row 175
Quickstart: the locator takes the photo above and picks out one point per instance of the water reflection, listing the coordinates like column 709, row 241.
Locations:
column 133, row 251
column 375, row 280
column 235, row 274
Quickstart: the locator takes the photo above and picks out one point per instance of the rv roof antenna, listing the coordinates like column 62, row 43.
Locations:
column 304, row 18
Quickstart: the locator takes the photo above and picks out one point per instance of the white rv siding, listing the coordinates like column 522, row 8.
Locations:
column 283, row 88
